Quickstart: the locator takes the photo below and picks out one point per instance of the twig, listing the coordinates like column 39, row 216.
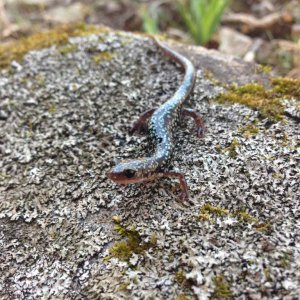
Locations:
column 250, row 23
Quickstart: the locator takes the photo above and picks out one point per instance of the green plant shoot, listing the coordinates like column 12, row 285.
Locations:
column 150, row 20
column 202, row 17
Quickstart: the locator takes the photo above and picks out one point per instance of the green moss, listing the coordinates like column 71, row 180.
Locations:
column 245, row 217
column 278, row 176
column 40, row 79
column 250, row 95
column 186, row 284
column 285, row 261
column 284, row 139
column 205, row 217
column 264, row 69
column 207, row 209
column 286, row 87
column 222, row 288
column 249, row 130
column 58, row 36
column 253, row 89
column 218, row 148
column 266, row 101
column 67, row 49
column 231, row 149
column 52, row 108
column 29, row 125
column 123, row 287
column 124, row 249
column 267, row 274
column 133, row 243
column 263, row 227
column 254, row 96
column 184, row 297
column 153, row 240
column 117, row 219
column 209, row 76
column 180, row 277
column 105, row 55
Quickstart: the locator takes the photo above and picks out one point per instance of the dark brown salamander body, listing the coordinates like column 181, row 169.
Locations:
column 162, row 123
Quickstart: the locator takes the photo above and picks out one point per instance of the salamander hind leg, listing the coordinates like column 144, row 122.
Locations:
column 200, row 128
column 141, row 125
column 183, row 185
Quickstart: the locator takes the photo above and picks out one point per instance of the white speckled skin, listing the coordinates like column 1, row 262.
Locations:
column 161, row 126
column 166, row 118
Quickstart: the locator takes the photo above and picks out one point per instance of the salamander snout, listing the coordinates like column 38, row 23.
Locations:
column 123, row 174
column 129, row 172
column 120, row 176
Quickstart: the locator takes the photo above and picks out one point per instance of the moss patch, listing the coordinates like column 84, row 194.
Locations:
column 285, row 261
column 245, row 217
column 284, row 138
column 254, row 96
column 249, row 130
column 123, row 287
column 263, row 227
column 186, row 284
column 222, row 288
column 105, row 55
column 267, row 274
column 184, row 297
column 133, row 243
column 205, row 217
column 208, row 211
column 117, row 219
column 215, row 210
column 52, row 108
column 180, row 277
column 67, row 49
column 58, row 36
column 286, row 87
column 40, row 80
column 231, row 149
column 266, row 101
column 266, row 69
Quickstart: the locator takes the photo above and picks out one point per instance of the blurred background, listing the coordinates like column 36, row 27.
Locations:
column 262, row 31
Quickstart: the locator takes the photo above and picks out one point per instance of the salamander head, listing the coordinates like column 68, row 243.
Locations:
column 132, row 171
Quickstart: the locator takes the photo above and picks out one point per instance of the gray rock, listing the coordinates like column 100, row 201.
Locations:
column 3, row 115
column 234, row 43
column 75, row 12
column 56, row 204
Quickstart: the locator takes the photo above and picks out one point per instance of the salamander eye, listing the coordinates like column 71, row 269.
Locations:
column 129, row 173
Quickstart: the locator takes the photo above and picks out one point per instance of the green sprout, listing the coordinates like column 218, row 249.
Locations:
column 202, row 17
column 150, row 16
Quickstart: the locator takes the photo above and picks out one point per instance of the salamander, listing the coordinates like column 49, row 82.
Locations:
column 162, row 123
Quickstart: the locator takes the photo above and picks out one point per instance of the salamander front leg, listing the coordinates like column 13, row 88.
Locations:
column 183, row 185
column 198, row 121
column 141, row 125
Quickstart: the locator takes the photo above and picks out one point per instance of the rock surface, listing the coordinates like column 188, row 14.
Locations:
column 65, row 116
column 66, row 14
column 234, row 43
